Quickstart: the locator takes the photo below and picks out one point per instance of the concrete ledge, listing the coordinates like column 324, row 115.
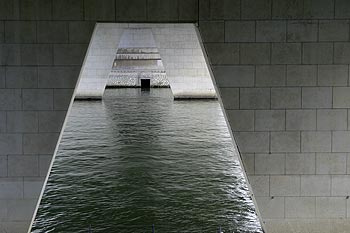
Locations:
column 195, row 95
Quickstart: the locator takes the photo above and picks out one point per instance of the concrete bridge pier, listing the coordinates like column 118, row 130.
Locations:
column 281, row 68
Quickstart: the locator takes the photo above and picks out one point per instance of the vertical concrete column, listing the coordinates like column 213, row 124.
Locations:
column 184, row 61
column 98, row 61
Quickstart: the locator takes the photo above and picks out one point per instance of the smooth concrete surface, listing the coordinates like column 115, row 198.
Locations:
column 178, row 46
column 281, row 68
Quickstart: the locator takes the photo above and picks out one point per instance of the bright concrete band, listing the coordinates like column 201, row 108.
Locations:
column 178, row 46
column 281, row 66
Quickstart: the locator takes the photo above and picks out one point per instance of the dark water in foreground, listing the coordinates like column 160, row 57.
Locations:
column 139, row 158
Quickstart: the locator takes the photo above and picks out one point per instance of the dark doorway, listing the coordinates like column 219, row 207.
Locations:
column 145, row 83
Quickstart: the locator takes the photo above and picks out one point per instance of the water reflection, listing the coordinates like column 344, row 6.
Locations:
column 139, row 158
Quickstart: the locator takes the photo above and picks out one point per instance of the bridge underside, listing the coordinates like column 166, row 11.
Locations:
column 281, row 68
column 178, row 46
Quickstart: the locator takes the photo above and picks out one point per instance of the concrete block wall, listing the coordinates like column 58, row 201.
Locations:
column 281, row 68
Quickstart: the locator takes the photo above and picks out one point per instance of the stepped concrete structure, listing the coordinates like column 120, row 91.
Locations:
column 281, row 68
column 137, row 59
column 178, row 46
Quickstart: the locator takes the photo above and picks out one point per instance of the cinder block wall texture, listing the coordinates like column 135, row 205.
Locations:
column 281, row 67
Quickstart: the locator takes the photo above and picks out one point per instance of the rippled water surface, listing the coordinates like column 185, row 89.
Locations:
column 139, row 158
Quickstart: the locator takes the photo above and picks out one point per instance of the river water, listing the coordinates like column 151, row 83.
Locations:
column 139, row 158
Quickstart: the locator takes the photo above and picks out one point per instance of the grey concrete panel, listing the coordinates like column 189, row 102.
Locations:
column 20, row 32
column 301, row 119
column 302, row 30
column 316, row 141
column 37, row 99
column 287, row 9
column 316, row 97
column 241, row 120
column 250, row 142
column 340, row 185
column 342, row 9
column 10, row 99
column 9, row 10
column 68, row 9
column 334, row 30
column 20, row 210
column 271, row 31
column 3, row 168
column 39, row 143
column 35, row 10
column 319, row 9
column 301, row 75
column 341, row 53
column 52, row 32
column 270, row 75
column 270, row 120
column 286, row 53
column 318, row 53
column 22, row 121
column 2, row 77
column 260, row 185
column 230, row 97
column 10, row 54
column 340, row 141
column 3, row 121
column 188, row 10
column 248, row 163
column 2, row 31
column 300, row 163
column 212, row 31
column 36, row 54
column 21, row 77
column 23, row 165
column 252, row 9
column 58, row 77
column 137, row 10
column 341, row 97
column 331, row 163
column 285, row 98
column 269, row 164
column 51, row 121
column 254, row 53
column 234, row 76
column 32, row 187
column 330, row 207
column 162, row 10
column 332, row 119
column 223, row 53
column 62, row 98
column 333, row 75
column 239, row 31
column 205, row 9
column 287, row 185
column 11, row 188
column 300, row 207
column 315, row 185
column 223, row 9
column 285, row 142
column 254, row 98
column 11, row 143
column 80, row 31
column 271, row 208
column 69, row 54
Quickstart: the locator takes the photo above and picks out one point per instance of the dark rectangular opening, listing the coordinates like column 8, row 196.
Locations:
column 145, row 83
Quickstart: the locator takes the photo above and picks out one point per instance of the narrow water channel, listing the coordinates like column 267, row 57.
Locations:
column 139, row 158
